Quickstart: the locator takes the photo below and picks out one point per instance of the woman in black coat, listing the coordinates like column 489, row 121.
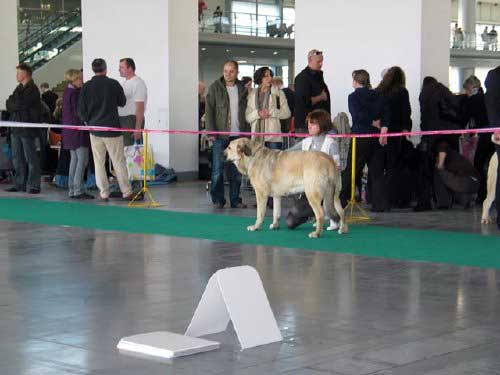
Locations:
column 393, row 91
column 476, row 116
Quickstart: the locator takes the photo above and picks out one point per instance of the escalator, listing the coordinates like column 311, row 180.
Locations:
column 50, row 39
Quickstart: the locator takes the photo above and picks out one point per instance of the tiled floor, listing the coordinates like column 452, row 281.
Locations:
column 67, row 295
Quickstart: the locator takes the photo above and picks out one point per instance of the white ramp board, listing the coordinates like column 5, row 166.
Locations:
column 165, row 344
column 236, row 294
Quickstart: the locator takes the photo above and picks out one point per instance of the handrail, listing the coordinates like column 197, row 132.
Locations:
column 474, row 41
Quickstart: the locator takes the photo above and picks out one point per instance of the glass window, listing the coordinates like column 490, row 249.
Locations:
column 268, row 15
column 481, row 72
column 243, row 18
column 246, row 70
column 285, row 75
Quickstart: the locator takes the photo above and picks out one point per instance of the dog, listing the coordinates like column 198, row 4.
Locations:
column 279, row 173
column 490, row 188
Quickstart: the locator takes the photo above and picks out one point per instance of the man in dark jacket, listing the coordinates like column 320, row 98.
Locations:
column 98, row 106
column 225, row 107
column 24, row 105
column 438, row 111
column 492, row 98
column 311, row 91
column 49, row 97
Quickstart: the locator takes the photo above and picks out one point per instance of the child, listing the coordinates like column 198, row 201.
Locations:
column 319, row 125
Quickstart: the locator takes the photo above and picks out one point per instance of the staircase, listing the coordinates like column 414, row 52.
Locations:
column 50, row 39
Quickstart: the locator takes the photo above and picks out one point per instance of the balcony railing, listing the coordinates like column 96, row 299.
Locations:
column 247, row 24
column 474, row 41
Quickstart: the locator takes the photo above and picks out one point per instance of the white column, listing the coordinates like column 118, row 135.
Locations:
column 9, row 57
column 162, row 37
column 467, row 21
column 374, row 35
column 467, row 15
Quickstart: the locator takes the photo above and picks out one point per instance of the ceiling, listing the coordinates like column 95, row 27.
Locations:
column 260, row 56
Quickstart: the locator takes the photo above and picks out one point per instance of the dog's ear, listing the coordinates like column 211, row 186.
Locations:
column 245, row 149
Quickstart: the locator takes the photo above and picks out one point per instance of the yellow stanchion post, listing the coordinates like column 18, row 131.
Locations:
column 149, row 201
column 352, row 205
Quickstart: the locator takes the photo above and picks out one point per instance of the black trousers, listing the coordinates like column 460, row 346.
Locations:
column 485, row 148
column 386, row 167
column 365, row 150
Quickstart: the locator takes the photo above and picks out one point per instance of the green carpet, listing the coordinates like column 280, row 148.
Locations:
column 417, row 245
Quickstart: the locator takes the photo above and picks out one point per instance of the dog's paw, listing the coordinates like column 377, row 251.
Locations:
column 486, row 220
column 252, row 228
column 343, row 229
column 314, row 234
column 274, row 226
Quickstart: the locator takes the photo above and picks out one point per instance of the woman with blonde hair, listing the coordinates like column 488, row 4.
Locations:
column 76, row 141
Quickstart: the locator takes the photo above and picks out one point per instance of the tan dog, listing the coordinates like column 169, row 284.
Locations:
column 277, row 173
column 490, row 188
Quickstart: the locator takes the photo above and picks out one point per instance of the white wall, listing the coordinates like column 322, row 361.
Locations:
column 183, row 82
column 374, row 35
column 435, row 42
column 53, row 71
column 9, row 53
column 163, row 41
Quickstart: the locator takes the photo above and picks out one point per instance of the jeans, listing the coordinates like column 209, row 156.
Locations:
column 24, row 154
column 274, row 145
column 77, row 167
column 217, row 184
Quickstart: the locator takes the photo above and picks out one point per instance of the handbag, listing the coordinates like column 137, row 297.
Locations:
column 134, row 157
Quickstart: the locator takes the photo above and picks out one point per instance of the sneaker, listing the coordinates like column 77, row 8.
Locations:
column 239, row 205
column 421, row 208
column 13, row 189
column 131, row 197
column 103, row 199
column 219, row 205
column 334, row 225
column 83, row 196
column 34, row 191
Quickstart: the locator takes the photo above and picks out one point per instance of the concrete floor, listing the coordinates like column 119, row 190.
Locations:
column 67, row 296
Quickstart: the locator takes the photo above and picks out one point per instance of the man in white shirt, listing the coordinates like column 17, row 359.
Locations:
column 132, row 114
column 136, row 92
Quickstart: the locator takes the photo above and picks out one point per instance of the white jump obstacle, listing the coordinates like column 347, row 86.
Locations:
column 233, row 294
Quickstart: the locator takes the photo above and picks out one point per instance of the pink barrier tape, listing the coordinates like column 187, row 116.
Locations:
column 12, row 124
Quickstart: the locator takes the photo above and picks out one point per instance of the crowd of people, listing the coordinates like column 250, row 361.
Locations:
column 99, row 102
column 434, row 174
